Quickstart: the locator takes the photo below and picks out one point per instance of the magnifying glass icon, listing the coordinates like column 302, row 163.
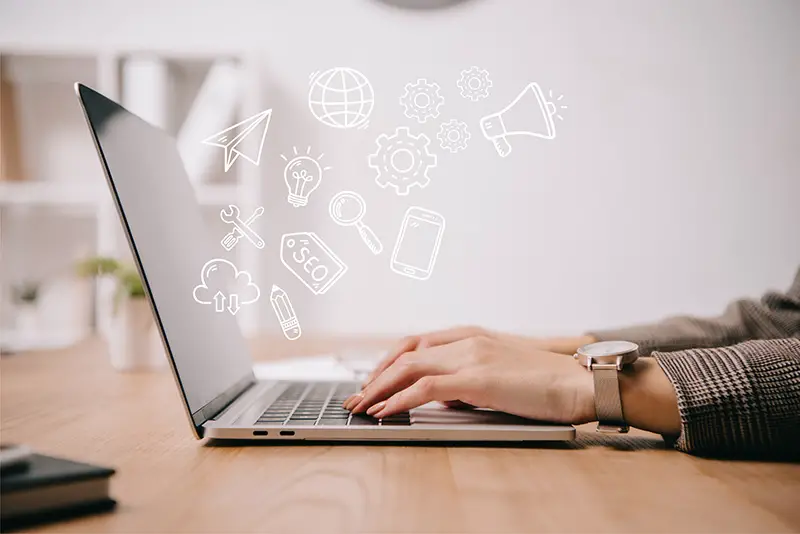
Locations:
column 347, row 208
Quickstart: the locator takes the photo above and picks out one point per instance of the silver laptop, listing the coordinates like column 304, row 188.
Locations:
column 207, row 351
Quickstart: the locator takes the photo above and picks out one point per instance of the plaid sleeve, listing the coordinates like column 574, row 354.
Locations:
column 775, row 316
column 742, row 400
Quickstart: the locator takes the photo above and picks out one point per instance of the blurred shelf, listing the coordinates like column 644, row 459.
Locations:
column 39, row 193
column 214, row 50
column 12, row 341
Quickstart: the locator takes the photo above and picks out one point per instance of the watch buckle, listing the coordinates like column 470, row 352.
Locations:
column 616, row 366
column 610, row 428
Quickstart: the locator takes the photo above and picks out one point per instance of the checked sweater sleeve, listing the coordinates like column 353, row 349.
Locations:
column 736, row 377
column 742, row 400
column 775, row 316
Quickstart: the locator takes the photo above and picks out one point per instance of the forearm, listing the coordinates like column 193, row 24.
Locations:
column 775, row 316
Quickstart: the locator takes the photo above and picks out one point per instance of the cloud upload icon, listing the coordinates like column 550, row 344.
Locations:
column 244, row 139
column 228, row 288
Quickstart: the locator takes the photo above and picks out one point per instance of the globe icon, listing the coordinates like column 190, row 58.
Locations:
column 341, row 97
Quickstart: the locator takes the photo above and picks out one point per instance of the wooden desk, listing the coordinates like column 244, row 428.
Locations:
column 72, row 403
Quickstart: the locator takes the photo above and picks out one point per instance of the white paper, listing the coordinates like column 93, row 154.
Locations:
column 317, row 368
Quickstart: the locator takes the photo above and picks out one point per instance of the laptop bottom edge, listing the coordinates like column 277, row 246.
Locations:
column 415, row 432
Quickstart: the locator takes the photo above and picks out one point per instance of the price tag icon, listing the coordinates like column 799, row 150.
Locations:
column 311, row 261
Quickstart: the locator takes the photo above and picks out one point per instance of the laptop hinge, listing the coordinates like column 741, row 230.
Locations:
column 222, row 401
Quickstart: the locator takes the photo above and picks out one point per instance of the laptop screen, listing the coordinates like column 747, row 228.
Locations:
column 164, row 221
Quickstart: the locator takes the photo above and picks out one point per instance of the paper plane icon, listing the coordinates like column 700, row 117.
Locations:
column 244, row 139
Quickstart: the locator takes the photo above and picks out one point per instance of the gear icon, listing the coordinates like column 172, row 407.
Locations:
column 422, row 100
column 453, row 135
column 402, row 161
column 474, row 83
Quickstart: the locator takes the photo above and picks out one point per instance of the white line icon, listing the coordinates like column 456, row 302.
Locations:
column 402, row 161
column 284, row 310
column 422, row 100
column 228, row 288
column 474, row 83
column 243, row 139
column 347, row 208
column 311, row 261
column 417, row 244
column 341, row 97
column 531, row 113
column 241, row 228
column 453, row 135
column 302, row 175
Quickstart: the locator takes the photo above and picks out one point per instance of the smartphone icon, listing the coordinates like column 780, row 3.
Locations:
column 418, row 243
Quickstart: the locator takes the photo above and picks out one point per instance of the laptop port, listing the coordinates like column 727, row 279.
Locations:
column 287, row 432
column 260, row 433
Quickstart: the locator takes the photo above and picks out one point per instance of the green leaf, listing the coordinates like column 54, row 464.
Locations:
column 129, row 284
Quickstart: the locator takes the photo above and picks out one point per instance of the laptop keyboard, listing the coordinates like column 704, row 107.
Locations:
column 320, row 404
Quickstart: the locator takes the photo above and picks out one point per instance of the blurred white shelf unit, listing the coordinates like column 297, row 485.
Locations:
column 40, row 193
column 189, row 95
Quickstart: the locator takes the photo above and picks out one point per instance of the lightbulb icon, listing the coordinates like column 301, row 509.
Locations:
column 303, row 175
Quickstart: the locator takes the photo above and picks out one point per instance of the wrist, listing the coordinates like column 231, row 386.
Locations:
column 648, row 398
column 565, row 345
column 582, row 383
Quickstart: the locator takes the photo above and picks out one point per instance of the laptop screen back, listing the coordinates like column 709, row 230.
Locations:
column 165, row 223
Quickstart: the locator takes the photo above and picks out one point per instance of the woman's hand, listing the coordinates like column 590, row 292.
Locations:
column 443, row 337
column 525, row 376
column 483, row 369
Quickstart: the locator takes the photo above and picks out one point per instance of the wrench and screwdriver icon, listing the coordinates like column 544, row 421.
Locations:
column 241, row 228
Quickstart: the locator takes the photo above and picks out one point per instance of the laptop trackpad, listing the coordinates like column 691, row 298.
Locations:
column 438, row 414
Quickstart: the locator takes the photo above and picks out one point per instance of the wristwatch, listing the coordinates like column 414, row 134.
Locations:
column 605, row 360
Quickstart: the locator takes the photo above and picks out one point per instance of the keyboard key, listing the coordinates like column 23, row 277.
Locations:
column 361, row 420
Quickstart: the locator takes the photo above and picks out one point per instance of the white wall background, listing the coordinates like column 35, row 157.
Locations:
column 673, row 185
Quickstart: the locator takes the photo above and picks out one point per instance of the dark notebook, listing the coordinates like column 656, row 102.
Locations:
column 48, row 489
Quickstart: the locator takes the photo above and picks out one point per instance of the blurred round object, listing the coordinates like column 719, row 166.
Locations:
column 423, row 4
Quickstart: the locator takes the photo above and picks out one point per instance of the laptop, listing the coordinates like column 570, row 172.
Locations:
column 207, row 352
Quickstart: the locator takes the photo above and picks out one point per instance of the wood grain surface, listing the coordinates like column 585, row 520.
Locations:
column 71, row 403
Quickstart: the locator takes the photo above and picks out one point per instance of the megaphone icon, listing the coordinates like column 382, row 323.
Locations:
column 529, row 114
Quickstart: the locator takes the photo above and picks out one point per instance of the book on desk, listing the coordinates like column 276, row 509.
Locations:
column 43, row 489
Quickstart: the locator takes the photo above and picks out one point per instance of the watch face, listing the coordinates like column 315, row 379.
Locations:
column 608, row 348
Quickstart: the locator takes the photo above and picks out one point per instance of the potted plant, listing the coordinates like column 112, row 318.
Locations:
column 134, row 341
column 26, row 297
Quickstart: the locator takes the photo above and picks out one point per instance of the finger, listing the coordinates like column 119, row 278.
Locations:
column 429, row 388
column 406, row 344
column 426, row 340
column 404, row 372
column 410, row 367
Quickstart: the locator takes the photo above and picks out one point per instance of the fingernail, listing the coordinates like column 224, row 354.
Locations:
column 353, row 400
column 376, row 408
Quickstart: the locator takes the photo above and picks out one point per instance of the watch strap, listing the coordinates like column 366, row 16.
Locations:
column 607, row 399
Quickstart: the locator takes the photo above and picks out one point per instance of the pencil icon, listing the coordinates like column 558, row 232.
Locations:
column 286, row 316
